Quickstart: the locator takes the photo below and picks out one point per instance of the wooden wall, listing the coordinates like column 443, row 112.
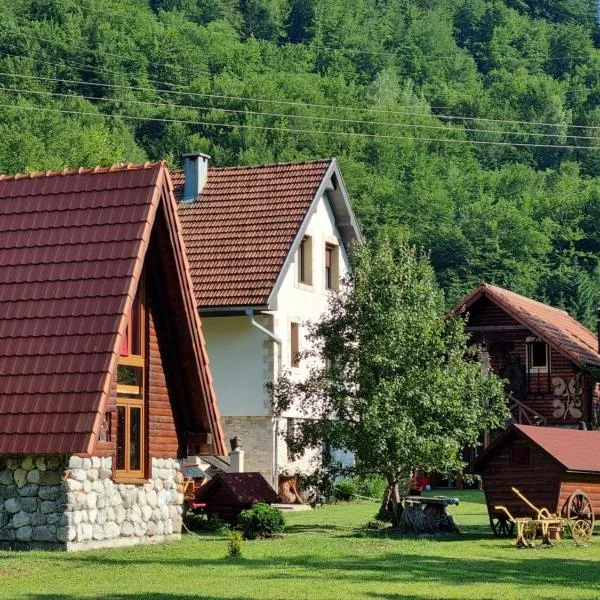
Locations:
column 539, row 481
column 589, row 483
column 541, row 393
column 162, row 434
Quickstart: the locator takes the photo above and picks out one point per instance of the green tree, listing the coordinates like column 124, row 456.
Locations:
column 390, row 377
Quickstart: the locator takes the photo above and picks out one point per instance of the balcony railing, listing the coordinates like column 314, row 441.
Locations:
column 523, row 414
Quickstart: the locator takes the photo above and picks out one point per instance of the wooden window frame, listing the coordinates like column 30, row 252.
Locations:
column 125, row 393
column 529, row 357
column 305, row 274
column 332, row 271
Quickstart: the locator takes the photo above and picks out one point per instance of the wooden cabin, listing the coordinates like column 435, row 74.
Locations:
column 104, row 378
column 228, row 494
column 557, row 469
column 545, row 355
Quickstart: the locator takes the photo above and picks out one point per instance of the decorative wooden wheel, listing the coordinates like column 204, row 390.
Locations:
column 502, row 526
column 581, row 531
column 579, row 508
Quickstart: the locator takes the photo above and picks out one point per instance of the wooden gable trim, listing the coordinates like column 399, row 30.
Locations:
column 482, row 291
column 192, row 316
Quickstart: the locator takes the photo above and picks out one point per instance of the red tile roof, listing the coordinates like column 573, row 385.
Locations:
column 72, row 245
column 239, row 231
column 554, row 326
column 575, row 450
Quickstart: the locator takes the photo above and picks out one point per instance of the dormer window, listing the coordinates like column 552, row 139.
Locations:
column 131, row 432
column 305, row 261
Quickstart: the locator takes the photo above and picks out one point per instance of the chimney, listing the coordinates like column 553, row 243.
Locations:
column 195, row 171
column 236, row 458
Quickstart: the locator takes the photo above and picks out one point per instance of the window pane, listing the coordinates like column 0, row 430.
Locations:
column 538, row 354
column 120, row 437
column 129, row 381
column 135, row 438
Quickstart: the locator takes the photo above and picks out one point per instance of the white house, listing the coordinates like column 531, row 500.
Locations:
column 266, row 246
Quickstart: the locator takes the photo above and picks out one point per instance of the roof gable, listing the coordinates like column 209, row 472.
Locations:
column 241, row 231
column 573, row 449
column 556, row 327
column 73, row 245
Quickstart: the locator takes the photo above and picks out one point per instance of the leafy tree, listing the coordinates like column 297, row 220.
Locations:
column 390, row 377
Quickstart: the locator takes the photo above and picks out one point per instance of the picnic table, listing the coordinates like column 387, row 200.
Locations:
column 427, row 515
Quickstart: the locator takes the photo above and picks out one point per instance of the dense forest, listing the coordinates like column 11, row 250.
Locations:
column 471, row 127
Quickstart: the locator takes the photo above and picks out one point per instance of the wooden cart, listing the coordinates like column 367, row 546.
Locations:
column 547, row 524
column 558, row 469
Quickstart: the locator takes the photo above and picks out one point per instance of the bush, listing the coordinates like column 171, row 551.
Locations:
column 261, row 521
column 234, row 544
column 371, row 487
column 345, row 490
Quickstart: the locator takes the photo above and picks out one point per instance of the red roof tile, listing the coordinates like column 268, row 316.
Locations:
column 553, row 325
column 239, row 231
column 71, row 249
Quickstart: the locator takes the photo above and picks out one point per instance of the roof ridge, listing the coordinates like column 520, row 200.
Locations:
column 267, row 165
column 492, row 287
column 82, row 171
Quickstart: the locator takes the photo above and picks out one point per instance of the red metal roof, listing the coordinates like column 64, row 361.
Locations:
column 72, row 246
column 574, row 449
column 553, row 325
column 241, row 228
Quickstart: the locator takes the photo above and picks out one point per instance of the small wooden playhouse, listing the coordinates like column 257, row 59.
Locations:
column 555, row 468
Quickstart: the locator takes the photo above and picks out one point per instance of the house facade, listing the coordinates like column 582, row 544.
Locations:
column 267, row 247
column 104, row 380
column 546, row 356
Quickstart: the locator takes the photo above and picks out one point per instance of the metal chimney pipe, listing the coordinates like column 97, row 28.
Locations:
column 195, row 171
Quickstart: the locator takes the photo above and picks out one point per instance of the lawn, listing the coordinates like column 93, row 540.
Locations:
column 322, row 556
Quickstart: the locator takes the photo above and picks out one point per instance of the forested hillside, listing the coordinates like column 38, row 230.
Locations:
column 470, row 126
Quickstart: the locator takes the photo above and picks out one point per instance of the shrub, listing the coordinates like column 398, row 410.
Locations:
column 371, row 487
column 261, row 521
column 234, row 544
column 345, row 490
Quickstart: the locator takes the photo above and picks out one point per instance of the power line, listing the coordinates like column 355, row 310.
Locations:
column 292, row 116
column 296, row 131
column 294, row 103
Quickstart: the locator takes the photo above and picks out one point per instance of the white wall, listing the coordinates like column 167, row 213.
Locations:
column 240, row 362
column 300, row 303
column 297, row 302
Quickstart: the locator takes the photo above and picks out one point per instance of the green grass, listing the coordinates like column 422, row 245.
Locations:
column 322, row 556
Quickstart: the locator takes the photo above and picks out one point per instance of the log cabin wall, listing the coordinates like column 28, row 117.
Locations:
column 537, row 478
column 589, row 483
column 562, row 395
column 162, row 439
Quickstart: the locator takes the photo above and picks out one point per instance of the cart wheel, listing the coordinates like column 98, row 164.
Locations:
column 581, row 531
column 579, row 508
column 502, row 526
column 529, row 531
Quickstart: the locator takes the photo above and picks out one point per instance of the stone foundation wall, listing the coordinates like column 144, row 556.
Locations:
column 256, row 434
column 72, row 503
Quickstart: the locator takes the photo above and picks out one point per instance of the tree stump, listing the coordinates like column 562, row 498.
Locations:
column 427, row 516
